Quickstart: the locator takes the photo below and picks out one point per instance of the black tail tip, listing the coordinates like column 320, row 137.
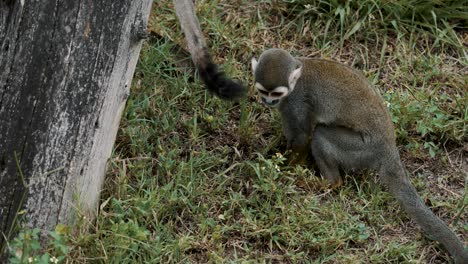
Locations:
column 220, row 85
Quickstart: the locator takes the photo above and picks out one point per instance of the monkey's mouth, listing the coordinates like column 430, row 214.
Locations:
column 272, row 103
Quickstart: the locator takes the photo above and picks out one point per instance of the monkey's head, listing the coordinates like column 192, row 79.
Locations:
column 276, row 73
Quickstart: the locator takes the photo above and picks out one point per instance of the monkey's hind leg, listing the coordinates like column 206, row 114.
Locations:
column 337, row 147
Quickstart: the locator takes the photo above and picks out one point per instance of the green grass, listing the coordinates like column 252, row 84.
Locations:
column 197, row 179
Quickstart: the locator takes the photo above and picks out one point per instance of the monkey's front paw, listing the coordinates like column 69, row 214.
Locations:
column 297, row 158
column 293, row 161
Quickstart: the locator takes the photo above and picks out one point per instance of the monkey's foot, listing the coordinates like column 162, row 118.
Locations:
column 336, row 184
column 332, row 185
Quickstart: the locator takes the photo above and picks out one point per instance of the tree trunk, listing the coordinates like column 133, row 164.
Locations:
column 65, row 72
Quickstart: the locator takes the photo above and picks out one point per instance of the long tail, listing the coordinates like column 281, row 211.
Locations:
column 399, row 185
column 215, row 80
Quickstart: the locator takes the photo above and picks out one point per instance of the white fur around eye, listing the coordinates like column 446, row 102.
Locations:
column 280, row 89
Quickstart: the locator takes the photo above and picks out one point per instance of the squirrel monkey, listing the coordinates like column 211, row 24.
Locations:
column 331, row 110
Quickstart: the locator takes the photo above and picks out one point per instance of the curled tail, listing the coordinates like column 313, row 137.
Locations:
column 399, row 186
column 215, row 80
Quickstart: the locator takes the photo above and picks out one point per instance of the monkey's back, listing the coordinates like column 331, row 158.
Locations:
column 342, row 96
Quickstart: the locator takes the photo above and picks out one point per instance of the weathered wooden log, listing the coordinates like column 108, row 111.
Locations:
column 65, row 72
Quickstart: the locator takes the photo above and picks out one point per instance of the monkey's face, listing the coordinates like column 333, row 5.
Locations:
column 276, row 75
column 272, row 98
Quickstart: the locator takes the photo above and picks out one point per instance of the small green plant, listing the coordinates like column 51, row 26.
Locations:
column 417, row 113
column 27, row 248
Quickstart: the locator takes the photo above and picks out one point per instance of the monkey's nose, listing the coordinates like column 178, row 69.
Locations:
column 270, row 103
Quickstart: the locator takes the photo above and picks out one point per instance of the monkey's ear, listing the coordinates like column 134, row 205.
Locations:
column 254, row 65
column 293, row 77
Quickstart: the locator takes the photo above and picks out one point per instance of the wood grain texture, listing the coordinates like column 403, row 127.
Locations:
column 196, row 42
column 65, row 72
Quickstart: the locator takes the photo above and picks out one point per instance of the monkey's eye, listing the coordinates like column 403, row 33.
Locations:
column 263, row 92
column 277, row 94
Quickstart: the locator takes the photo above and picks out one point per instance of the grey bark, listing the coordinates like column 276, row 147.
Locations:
column 65, row 73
